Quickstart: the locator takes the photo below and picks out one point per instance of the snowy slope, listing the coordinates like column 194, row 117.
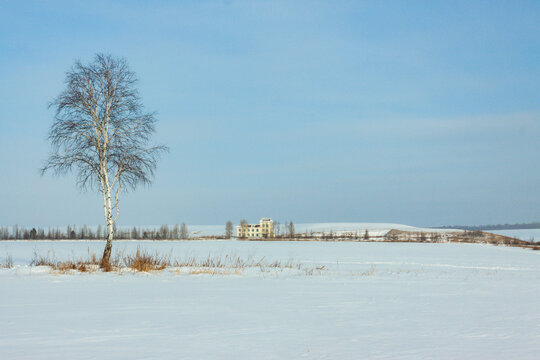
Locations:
column 523, row 234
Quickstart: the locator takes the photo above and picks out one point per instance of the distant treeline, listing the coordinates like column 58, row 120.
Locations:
column 534, row 225
column 85, row 232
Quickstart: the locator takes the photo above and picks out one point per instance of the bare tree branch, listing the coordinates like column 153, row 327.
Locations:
column 100, row 128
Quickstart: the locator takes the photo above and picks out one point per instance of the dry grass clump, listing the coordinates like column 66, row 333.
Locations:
column 370, row 271
column 43, row 260
column 7, row 262
column 220, row 262
column 140, row 261
column 209, row 271
column 235, row 265
column 143, row 261
column 232, row 264
column 210, row 262
column 83, row 265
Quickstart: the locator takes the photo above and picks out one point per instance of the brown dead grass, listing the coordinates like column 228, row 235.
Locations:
column 144, row 261
column 370, row 271
column 209, row 271
column 7, row 262
column 82, row 265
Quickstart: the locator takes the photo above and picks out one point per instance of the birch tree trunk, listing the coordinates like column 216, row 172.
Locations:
column 105, row 261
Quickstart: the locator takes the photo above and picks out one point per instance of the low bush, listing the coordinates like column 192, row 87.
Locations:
column 143, row 261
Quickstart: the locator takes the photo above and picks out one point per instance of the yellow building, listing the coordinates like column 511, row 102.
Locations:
column 263, row 230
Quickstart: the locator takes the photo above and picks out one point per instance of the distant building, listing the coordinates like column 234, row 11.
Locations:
column 263, row 230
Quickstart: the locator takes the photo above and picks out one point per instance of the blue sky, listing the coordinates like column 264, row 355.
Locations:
column 417, row 112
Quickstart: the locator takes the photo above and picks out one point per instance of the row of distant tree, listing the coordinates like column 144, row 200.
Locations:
column 85, row 232
column 533, row 225
column 284, row 230
column 165, row 232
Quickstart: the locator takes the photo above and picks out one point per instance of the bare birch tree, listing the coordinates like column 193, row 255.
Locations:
column 184, row 233
column 291, row 230
column 228, row 230
column 243, row 224
column 101, row 132
column 277, row 229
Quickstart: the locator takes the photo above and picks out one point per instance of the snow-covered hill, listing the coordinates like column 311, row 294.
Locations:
column 374, row 229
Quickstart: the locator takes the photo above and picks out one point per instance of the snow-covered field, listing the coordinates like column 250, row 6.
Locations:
column 372, row 301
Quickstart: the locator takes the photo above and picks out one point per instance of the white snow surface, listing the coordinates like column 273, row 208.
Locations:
column 372, row 301
column 523, row 234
